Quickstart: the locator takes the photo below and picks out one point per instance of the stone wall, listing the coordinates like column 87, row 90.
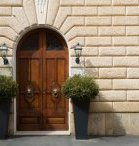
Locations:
column 108, row 30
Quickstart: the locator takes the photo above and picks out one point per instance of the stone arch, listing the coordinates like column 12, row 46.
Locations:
column 33, row 27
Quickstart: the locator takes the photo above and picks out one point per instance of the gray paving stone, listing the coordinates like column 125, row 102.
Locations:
column 70, row 141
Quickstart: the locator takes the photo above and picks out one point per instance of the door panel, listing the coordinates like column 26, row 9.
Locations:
column 61, row 71
column 50, row 72
column 54, row 107
column 41, row 68
column 29, row 108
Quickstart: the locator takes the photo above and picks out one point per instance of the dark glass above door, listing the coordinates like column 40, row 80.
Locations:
column 53, row 42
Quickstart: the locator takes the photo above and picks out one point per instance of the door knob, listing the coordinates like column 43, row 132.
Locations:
column 29, row 90
column 29, row 93
column 55, row 90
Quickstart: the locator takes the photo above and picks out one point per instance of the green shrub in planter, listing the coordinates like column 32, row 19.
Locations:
column 8, row 87
column 8, row 90
column 80, row 88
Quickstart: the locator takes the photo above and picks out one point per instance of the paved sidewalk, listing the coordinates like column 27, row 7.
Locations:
column 70, row 141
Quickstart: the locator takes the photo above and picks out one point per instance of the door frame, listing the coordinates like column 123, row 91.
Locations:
column 67, row 132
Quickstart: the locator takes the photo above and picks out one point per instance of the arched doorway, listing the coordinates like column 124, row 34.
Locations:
column 42, row 67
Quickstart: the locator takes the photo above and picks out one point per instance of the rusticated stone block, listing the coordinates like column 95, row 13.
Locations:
column 5, row 11
column 97, row 2
column 72, row 2
column 111, row 31
column 98, row 21
column 121, row 123
column 125, row 20
column 112, row 73
column 98, row 41
column 96, row 125
column 125, row 40
column 101, row 107
column 133, row 95
column 132, row 10
column 125, row 61
column 98, row 61
column 125, row 2
column 112, row 95
column 132, row 50
column 112, row 51
column 111, row 11
column 86, row 11
column 126, row 107
column 126, row 84
column 104, row 83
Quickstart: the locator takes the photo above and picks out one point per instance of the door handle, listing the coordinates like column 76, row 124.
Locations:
column 29, row 93
column 55, row 92
column 29, row 90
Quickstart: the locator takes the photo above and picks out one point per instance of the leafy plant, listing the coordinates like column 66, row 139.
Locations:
column 80, row 88
column 8, row 87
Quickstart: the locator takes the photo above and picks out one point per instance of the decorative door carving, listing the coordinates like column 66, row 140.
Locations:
column 42, row 67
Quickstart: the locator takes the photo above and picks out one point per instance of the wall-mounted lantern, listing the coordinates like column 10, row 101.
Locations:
column 3, row 53
column 78, row 51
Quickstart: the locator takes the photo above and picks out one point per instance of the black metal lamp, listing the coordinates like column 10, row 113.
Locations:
column 78, row 51
column 3, row 52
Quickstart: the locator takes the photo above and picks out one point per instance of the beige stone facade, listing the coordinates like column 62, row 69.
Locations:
column 109, row 33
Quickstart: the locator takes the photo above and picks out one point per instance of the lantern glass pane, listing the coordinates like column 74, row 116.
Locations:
column 3, row 50
column 78, row 52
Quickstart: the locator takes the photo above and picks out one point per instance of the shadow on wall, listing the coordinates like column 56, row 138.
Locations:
column 82, row 69
column 103, row 122
column 106, row 124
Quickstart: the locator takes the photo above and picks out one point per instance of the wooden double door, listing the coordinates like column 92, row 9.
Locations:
column 42, row 68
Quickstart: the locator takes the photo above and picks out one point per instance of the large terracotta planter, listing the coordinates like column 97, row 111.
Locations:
column 81, row 112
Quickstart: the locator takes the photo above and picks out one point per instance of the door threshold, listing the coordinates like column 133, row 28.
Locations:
column 42, row 133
